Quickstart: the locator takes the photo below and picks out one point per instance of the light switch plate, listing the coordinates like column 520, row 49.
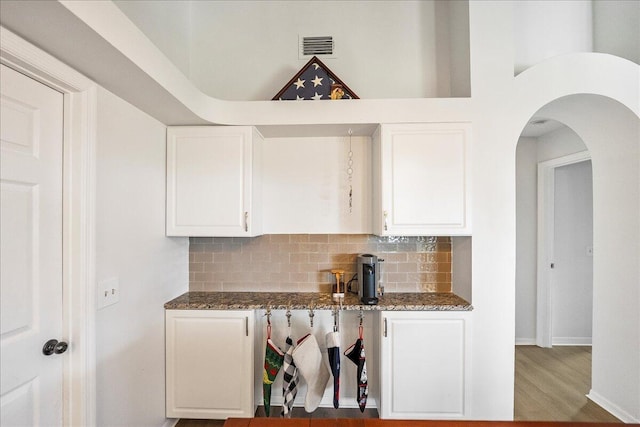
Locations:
column 108, row 292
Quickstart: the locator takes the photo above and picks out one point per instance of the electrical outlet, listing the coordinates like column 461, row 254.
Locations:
column 108, row 292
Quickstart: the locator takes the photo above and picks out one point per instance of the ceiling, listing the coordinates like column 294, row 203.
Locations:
column 539, row 126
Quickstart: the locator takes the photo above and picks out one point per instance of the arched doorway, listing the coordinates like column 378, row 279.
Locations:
column 611, row 132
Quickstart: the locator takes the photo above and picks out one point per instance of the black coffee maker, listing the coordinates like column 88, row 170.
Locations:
column 368, row 276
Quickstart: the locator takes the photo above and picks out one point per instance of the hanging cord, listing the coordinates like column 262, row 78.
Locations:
column 311, row 314
column 350, row 172
column 348, row 286
column 360, row 327
column 268, row 314
column 336, row 319
column 288, row 314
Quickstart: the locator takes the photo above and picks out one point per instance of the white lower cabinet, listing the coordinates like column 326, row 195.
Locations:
column 424, row 364
column 210, row 363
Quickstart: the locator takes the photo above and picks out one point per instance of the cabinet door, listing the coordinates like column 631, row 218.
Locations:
column 423, row 181
column 424, row 365
column 209, row 364
column 210, row 181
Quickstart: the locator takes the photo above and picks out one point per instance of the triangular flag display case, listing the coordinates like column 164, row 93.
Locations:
column 315, row 81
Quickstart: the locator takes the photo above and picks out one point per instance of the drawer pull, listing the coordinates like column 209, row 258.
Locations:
column 384, row 330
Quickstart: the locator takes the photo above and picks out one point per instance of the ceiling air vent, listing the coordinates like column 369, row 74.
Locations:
column 316, row 46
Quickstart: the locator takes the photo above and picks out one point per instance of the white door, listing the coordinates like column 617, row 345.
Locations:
column 31, row 251
column 572, row 275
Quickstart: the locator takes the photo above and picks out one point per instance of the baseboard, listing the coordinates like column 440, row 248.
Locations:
column 525, row 341
column 170, row 422
column 326, row 402
column 577, row 341
column 612, row 408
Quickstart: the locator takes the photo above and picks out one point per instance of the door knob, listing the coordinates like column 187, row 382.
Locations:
column 54, row 346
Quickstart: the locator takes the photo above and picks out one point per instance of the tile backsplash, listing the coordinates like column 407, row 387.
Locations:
column 303, row 262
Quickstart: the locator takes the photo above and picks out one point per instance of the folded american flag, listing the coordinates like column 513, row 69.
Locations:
column 315, row 82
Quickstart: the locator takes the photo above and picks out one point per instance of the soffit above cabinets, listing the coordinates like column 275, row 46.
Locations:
column 315, row 130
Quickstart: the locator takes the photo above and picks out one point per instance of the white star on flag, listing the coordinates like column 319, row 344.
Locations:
column 316, row 97
column 299, row 83
column 317, row 81
column 298, row 98
column 315, row 66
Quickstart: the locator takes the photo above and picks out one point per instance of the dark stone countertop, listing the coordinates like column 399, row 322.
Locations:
column 423, row 301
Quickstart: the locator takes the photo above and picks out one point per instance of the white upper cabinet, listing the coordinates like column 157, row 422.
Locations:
column 213, row 181
column 421, row 179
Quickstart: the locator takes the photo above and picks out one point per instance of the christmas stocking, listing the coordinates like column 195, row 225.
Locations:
column 273, row 358
column 333, row 349
column 289, row 380
column 355, row 353
column 308, row 359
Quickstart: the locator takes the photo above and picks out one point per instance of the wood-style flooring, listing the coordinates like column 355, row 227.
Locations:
column 550, row 385
column 296, row 413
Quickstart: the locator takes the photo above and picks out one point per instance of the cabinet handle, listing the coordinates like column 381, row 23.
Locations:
column 246, row 221
column 384, row 329
column 385, row 220
column 246, row 326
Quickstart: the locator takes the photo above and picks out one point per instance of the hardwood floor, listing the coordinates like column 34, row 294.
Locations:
column 297, row 413
column 551, row 384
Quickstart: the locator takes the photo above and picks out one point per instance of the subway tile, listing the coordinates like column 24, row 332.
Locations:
column 308, row 247
column 211, row 287
column 428, row 287
column 297, row 258
column 444, row 267
column 390, row 267
column 428, row 267
column 261, row 257
column 319, row 257
column 222, row 257
column 299, row 277
column 196, row 267
column 407, row 267
column 426, row 247
column 397, row 277
column 443, row 247
column 338, row 238
column 319, row 238
column 391, row 257
column 407, row 287
column 279, row 238
column 305, row 260
column 443, row 287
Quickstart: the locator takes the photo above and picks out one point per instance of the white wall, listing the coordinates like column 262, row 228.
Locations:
column 549, row 28
column 526, row 247
column 529, row 152
column 151, row 268
column 572, row 276
column 616, row 28
column 166, row 23
column 263, row 53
